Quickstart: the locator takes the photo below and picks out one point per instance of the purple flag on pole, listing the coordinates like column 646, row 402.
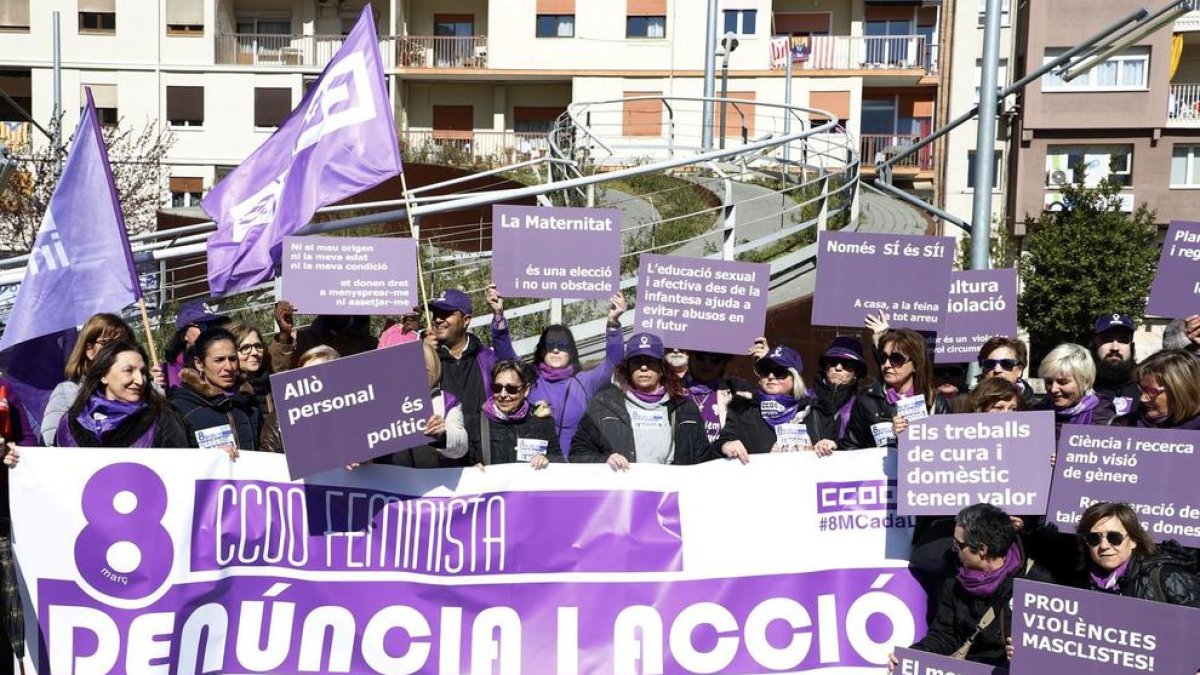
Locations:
column 340, row 141
column 80, row 263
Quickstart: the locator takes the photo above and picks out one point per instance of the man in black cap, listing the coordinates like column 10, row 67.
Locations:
column 1112, row 345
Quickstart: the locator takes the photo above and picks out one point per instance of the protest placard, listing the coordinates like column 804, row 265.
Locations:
column 904, row 276
column 913, row 662
column 352, row 409
column 350, row 275
column 948, row 462
column 1057, row 629
column 1176, row 289
column 552, row 252
column 701, row 303
column 982, row 304
column 1154, row 470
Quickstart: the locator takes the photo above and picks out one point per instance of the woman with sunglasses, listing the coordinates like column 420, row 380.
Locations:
column 511, row 429
column 710, row 389
column 775, row 418
column 254, row 362
column 562, row 383
column 1005, row 358
column 1121, row 558
column 644, row 416
column 1169, row 392
column 906, row 372
column 1069, row 372
column 843, row 370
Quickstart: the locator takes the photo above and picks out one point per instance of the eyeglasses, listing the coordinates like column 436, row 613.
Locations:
column 1005, row 364
column 558, row 346
column 251, row 347
column 510, row 389
column 778, row 372
column 1093, row 538
column 1151, row 392
column 956, row 545
column 895, row 358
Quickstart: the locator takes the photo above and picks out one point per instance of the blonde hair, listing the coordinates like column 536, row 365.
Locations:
column 320, row 354
column 433, row 364
column 1070, row 359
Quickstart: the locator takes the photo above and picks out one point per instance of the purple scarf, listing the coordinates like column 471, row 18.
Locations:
column 551, row 374
column 494, row 414
column 778, row 409
column 984, row 584
column 704, row 395
column 657, row 396
column 1107, row 581
column 844, row 417
column 894, row 396
column 102, row 416
column 1080, row 413
column 1146, row 421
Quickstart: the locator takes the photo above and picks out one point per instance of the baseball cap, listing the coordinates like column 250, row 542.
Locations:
column 644, row 344
column 1109, row 321
column 452, row 301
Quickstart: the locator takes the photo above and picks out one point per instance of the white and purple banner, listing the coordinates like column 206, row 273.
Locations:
column 556, row 252
column 181, row 561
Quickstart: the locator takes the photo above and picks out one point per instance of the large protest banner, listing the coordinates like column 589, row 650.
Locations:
column 182, row 557
column 1176, row 288
column 701, row 303
column 982, row 304
column 913, row 662
column 549, row 252
column 1154, row 470
column 1057, row 629
column 904, row 276
column 350, row 275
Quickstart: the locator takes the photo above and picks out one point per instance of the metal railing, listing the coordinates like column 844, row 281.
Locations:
column 878, row 147
column 428, row 51
column 485, row 146
column 1184, row 108
column 284, row 51
column 860, row 52
column 17, row 136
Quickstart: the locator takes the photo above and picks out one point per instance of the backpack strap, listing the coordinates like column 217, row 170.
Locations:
column 485, row 440
column 1160, row 593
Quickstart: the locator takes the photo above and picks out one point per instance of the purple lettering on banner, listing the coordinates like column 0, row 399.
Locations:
column 948, row 462
column 350, row 275
column 1154, row 470
column 703, row 304
column 860, row 495
column 352, row 409
column 1057, row 629
column 904, row 276
column 545, row 252
column 1176, row 288
column 913, row 662
column 983, row 304
column 794, row 622
column 321, row 528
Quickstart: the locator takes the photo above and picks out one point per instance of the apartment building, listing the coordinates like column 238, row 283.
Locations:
column 1135, row 117
column 486, row 77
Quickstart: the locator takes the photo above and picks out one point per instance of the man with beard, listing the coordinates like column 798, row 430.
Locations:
column 1112, row 345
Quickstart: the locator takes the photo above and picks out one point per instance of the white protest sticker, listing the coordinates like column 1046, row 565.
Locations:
column 884, row 436
column 792, row 437
column 215, row 438
column 912, row 408
column 528, row 447
column 648, row 419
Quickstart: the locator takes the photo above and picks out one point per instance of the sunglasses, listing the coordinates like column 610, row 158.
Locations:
column 251, row 347
column 956, row 545
column 510, row 389
column 1093, row 538
column 895, row 358
column 846, row 364
column 778, row 372
column 558, row 346
column 1005, row 364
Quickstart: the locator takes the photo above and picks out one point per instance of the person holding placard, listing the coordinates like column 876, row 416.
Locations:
column 217, row 404
column 906, row 394
column 710, row 389
column 562, row 383
column 995, row 395
column 1005, row 358
column 1168, row 392
column 843, row 370
column 448, row 439
column 1069, row 372
column 511, row 428
column 346, row 334
column 270, row 438
column 775, row 417
column 644, row 416
column 1121, row 558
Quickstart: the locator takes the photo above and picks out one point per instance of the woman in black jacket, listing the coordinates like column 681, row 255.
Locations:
column 644, row 416
column 775, row 418
column 904, row 366
column 843, row 369
column 218, row 406
column 510, row 428
column 1121, row 558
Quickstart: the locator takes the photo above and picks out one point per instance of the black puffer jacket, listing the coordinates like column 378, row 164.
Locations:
column 744, row 422
column 606, row 428
column 958, row 616
column 872, row 407
column 826, row 425
column 503, row 438
column 204, row 406
column 1166, row 576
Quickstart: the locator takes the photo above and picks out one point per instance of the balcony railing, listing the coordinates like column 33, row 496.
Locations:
column 1184, row 108
column 877, row 147
column 857, row 52
column 486, row 147
column 264, row 49
column 426, row 51
column 17, row 136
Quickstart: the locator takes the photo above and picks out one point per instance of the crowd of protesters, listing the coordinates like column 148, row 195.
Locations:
column 647, row 403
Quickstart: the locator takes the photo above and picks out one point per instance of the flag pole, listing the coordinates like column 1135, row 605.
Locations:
column 149, row 336
column 414, row 229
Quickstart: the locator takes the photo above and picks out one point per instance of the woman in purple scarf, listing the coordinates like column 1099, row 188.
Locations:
column 1069, row 373
column 775, row 418
column 990, row 557
column 511, row 428
column 1121, row 558
column 118, row 408
column 1169, row 386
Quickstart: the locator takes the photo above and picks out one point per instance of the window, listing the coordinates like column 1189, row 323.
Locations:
column 455, row 46
column 741, row 21
column 646, row 27
column 1185, row 166
column 272, row 105
column 1063, row 162
column 185, row 17
column 1001, row 77
column 642, row 118
column 535, row 119
column 97, row 22
column 105, row 98
column 555, row 25
column 1004, row 9
column 186, row 191
column 185, row 106
column 995, row 170
column 1128, row 70
column 14, row 15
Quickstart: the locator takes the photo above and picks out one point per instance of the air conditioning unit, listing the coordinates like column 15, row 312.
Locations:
column 1056, row 177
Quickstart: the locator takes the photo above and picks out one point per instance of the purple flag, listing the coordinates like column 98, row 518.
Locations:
column 80, row 263
column 340, row 141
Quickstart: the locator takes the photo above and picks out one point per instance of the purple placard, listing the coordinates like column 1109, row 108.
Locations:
column 352, row 409
column 948, row 462
column 913, row 662
column 361, row 529
column 1057, row 629
column 1154, row 470
column 350, row 275
column 906, row 277
column 552, row 252
column 983, row 304
column 703, row 304
column 1176, row 289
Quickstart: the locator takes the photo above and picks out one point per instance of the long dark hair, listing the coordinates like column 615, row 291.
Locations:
column 670, row 379
column 556, row 332
column 104, row 362
column 910, row 343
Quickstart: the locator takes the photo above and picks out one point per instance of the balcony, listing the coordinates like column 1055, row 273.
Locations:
column 1184, row 108
column 283, row 51
column 857, row 52
column 479, row 147
column 16, row 136
column 427, row 51
column 877, row 147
